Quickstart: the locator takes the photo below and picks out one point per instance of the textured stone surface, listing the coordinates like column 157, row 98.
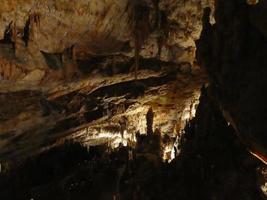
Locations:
column 96, row 104
column 66, row 72
column 68, row 65
column 88, row 28
column 233, row 52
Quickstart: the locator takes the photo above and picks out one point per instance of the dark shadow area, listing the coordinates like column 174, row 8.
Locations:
column 233, row 53
column 119, row 64
column 53, row 60
column 7, row 46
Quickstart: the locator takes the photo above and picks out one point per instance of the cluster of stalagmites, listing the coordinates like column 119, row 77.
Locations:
column 212, row 165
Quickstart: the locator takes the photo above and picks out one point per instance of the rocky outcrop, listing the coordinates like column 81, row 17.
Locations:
column 233, row 52
column 213, row 159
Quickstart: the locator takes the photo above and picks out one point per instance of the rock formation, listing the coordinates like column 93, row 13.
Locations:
column 101, row 99
column 79, row 58
column 232, row 53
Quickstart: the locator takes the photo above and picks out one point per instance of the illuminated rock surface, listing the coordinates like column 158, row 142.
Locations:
column 67, row 66
column 99, row 99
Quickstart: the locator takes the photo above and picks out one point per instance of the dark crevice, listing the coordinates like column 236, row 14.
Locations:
column 112, row 65
column 26, row 32
column 53, row 60
column 7, row 45
column 7, row 34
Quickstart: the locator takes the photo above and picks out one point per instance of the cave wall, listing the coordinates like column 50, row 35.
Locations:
column 233, row 53
column 213, row 163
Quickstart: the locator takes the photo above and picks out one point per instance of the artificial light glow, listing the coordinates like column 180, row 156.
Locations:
column 168, row 153
column 91, row 137
column 252, row 2
column 190, row 109
column 264, row 189
column 186, row 115
column 259, row 156
column 138, row 118
column 172, row 154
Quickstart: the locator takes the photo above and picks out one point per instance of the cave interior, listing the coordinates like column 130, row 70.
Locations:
column 133, row 99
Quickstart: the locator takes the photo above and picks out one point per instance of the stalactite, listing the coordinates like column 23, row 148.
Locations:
column 32, row 22
column 137, row 55
column 163, row 30
column 141, row 30
column 26, row 31
column 8, row 34
column 69, row 63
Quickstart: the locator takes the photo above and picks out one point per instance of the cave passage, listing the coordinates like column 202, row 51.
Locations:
column 133, row 100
